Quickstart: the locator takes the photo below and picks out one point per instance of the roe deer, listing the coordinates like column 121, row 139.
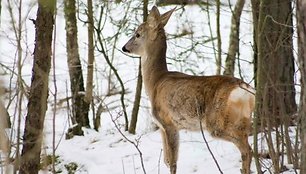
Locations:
column 221, row 104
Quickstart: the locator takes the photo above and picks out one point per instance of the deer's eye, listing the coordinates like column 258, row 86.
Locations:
column 137, row 35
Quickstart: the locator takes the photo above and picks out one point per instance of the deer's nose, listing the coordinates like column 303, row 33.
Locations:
column 125, row 50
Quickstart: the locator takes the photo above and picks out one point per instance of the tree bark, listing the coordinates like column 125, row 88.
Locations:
column 91, row 56
column 4, row 124
column 255, row 16
column 219, row 41
column 90, row 61
column 301, row 17
column 79, row 106
column 275, row 47
column 234, row 39
column 37, row 105
column 275, row 96
column 135, row 110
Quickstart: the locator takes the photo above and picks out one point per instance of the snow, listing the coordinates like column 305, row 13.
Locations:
column 111, row 153
column 107, row 151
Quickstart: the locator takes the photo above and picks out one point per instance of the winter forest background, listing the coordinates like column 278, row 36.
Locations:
column 72, row 101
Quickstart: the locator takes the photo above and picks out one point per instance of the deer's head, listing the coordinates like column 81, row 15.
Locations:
column 148, row 33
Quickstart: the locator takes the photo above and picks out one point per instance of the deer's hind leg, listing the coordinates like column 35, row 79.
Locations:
column 241, row 131
column 236, row 131
column 170, row 137
column 246, row 155
column 239, row 136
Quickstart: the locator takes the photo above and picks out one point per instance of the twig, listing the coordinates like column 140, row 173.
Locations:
column 199, row 113
column 210, row 28
column 16, row 74
column 244, row 88
column 101, row 48
column 135, row 144
column 207, row 145
column 134, row 164
column 160, row 153
column 123, row 169
column 54, row 96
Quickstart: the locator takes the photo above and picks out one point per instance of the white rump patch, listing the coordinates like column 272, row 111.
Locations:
column 241, row 93
column 242, row 100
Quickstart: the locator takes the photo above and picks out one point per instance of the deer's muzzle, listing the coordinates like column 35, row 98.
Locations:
column 125, row 50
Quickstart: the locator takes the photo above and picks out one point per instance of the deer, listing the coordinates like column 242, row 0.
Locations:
column 221, row 105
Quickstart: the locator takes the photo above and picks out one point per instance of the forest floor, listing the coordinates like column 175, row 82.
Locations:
column 109, row 152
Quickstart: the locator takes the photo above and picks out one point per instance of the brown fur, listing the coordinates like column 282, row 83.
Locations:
column 181, row 101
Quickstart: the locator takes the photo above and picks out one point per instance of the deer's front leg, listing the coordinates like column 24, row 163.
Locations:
column 170, row 137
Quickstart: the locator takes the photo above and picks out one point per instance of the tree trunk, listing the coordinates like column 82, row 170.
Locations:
column 255, row 16
column 79, row 106
column 276, row 48
column 136, row 105
column 37, row 105
column 134, row 116
column 301, row 17
column 275, row 94
column 4, row 124
column 219, row 41
column 234, row 39
column 90, row 61
column 91, row 56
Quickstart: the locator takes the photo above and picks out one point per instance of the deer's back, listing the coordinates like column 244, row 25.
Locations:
column 184, row 100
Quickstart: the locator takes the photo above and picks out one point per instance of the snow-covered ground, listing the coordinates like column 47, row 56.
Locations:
column 107, row 151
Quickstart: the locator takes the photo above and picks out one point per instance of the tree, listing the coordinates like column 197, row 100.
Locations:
column 37, row 104
column 255, row 16
column 234, row 39
column 79, row 106
column 136, row 105
column 102, row 47
column 90, row 59
column 17, row 28
column 275, row 96
column 4, row 124
column 219, row 41
column 301, row 17
column 4, row 143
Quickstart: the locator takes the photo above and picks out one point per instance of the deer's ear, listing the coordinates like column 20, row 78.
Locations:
column 165, row 17
column 153, row 17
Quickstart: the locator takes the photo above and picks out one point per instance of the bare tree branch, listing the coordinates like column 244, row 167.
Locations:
column 135, row 144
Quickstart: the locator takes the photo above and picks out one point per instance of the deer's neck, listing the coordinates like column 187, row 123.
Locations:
column 154, row 65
